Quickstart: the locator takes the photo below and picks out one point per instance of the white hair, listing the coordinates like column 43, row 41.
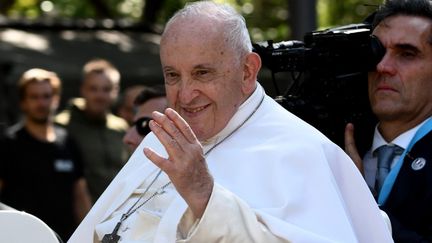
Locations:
column 233, row 25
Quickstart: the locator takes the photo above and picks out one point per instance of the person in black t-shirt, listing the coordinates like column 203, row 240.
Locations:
column 40, row 167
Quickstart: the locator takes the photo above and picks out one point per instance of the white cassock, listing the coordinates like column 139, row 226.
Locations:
column 277, row 179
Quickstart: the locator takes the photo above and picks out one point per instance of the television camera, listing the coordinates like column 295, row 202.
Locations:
column 329, row 76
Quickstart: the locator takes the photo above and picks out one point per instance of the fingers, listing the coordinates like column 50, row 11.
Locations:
column 349, row 137
column 170, row 127
column 182, row 125
column 167, row 133
column 174, row 133
column 171, row 144
column 185, row 166
column 351, row 148
column 158, row 160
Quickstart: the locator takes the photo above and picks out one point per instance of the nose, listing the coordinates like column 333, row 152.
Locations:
column 188, row 91
column 132, row 138
column 387, row 65
column 44, row 101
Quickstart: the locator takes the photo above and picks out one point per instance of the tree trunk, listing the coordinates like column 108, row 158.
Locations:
column 101, row 8
column 150, row 11
column 302, row 17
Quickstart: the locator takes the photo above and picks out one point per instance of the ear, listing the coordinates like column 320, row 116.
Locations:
column 115, row 92
column 56, row 101
column 251, row 67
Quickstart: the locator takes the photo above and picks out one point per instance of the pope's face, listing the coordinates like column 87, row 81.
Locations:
column 400, row 89
column 203, row 78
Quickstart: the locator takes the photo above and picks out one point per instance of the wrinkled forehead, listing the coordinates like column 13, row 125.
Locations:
column 405, row 28
column 193, row 28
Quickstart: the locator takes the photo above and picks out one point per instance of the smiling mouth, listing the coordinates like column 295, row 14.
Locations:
column 195, row 110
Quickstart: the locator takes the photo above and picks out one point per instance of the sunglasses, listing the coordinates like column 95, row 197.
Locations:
column 142, row 125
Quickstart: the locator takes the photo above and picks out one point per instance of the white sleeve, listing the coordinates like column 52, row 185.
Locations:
column 228, row 219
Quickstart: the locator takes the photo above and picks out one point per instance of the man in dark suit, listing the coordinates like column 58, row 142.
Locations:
column 400, row 94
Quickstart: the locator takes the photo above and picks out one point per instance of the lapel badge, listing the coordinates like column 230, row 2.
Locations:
column 418, row 163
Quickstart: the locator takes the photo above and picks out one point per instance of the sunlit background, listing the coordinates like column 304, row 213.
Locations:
column 267, row 19
column 61, row 35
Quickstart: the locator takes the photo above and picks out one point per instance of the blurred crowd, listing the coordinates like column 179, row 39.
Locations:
column 59, row 162
column 270, row 177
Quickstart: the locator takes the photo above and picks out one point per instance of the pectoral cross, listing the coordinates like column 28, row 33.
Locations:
column 113, row 237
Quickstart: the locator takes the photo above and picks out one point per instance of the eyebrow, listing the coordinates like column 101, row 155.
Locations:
column 203, row 66
column 198, row 66
column 407, row 47
column 167, row 68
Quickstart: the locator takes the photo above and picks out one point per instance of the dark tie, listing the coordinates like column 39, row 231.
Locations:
column 385, row 155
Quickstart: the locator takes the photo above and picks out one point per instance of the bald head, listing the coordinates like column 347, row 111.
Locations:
column 211, row 20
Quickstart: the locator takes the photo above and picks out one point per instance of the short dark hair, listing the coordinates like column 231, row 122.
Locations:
column 149, row 93
column 421, row 8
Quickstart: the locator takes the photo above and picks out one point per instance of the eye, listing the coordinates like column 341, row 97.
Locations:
column 47, row 96
column 107, row 89
column 408, row 54
column 407, row 51
column 171, row 74
column 203, row 75
column 171, row 77
column 93, row 89
column 202, row 72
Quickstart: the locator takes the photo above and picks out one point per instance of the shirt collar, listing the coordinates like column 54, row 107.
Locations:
column 243, row 112
column 402, row 140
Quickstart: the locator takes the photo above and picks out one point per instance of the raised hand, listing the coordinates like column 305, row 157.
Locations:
column 185, row 165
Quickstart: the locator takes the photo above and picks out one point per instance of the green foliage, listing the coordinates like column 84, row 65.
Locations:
column 341, row 12
column 267, row 19
column 61, row 8
column 168, row 9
